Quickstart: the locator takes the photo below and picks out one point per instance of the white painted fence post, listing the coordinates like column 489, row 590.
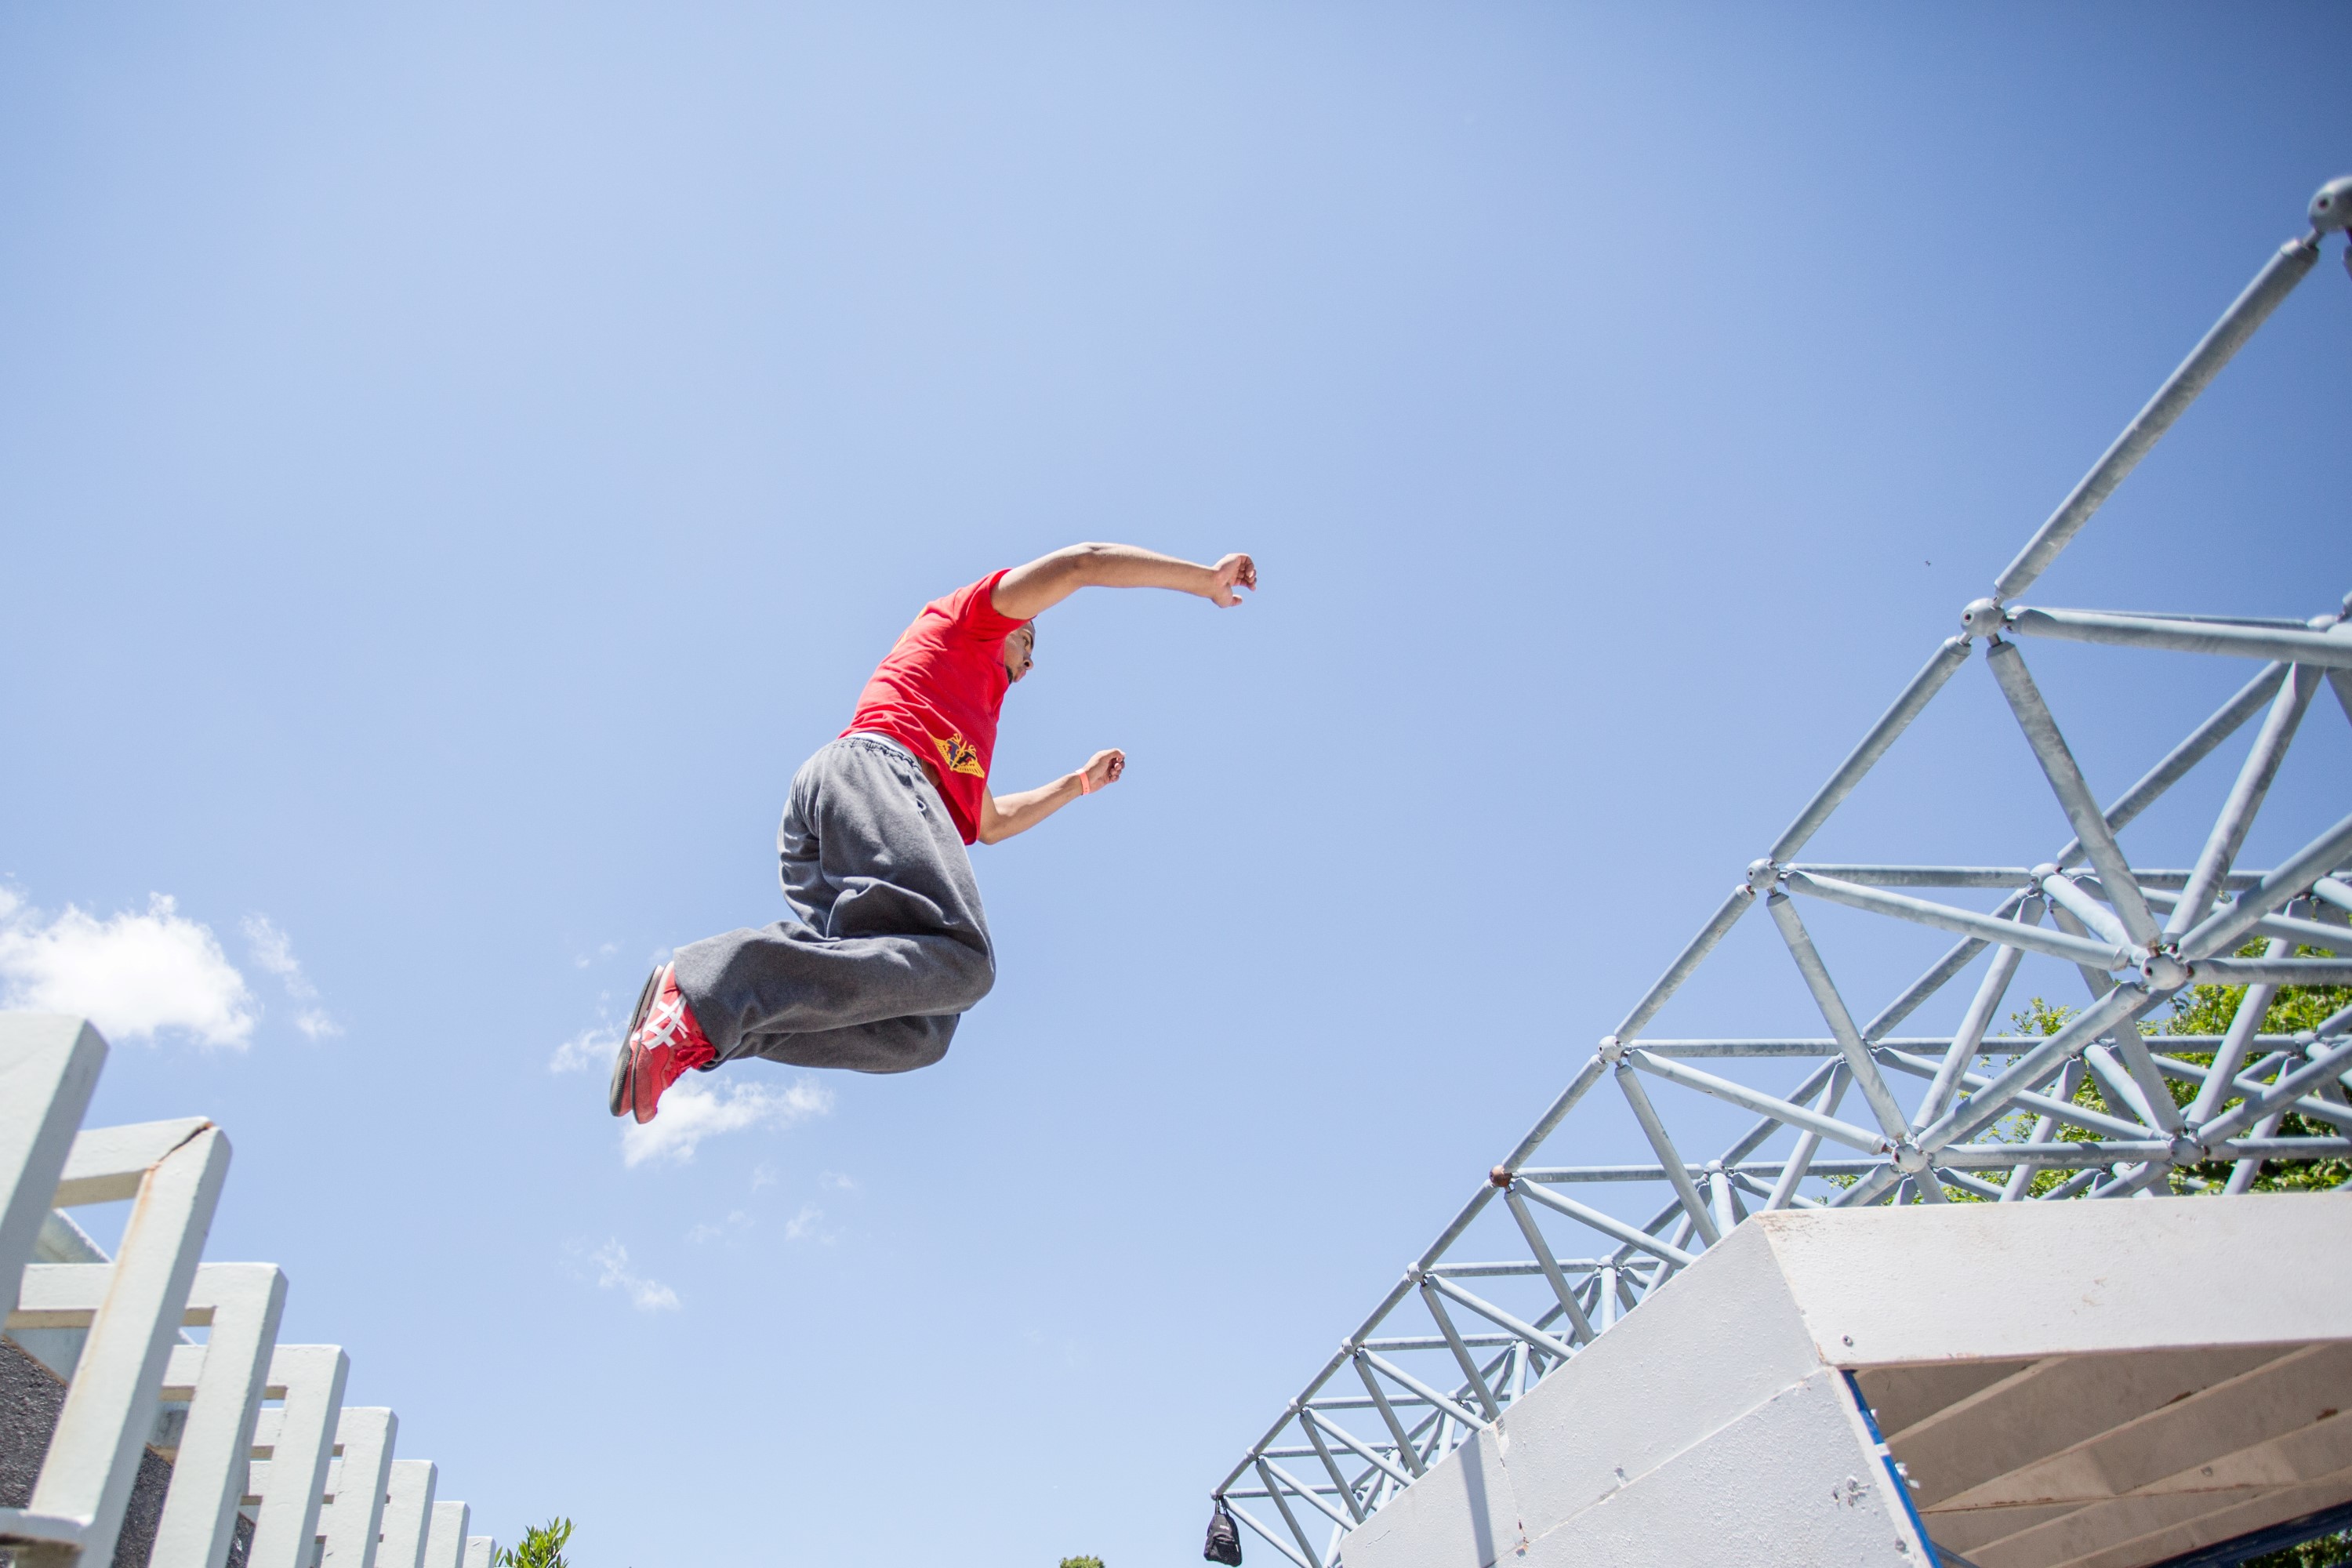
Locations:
column 310, row 1380
column 223, row 1386
column 407, row 1514
column 445, row 1546
column 353, row 1516
column 47, row 1067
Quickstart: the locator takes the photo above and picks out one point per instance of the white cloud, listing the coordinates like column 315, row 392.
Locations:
column 834, row 1182
column 612, row 1261
column 736, row 1222
column 591, row 1047
column 689, row 1113
column 804, row 1225
column 273, row 950
column 135, row 975
column 763, row 1174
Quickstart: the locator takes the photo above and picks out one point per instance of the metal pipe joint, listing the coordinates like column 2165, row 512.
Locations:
column 2331, row 209
column 1983, row 618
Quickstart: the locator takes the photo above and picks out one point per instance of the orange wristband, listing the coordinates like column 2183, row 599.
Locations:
column 1086, row 780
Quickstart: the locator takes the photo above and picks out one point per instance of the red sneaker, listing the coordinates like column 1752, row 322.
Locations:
column 662, row 1045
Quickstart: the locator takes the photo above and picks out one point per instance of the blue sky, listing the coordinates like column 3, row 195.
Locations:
column 458, row 461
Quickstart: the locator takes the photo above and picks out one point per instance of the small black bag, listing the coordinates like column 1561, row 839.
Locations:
column 1225, row 1537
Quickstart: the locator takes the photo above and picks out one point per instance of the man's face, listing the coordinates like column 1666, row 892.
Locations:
column 1020, row 651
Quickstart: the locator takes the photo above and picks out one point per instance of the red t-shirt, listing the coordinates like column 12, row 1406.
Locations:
column 940, row 690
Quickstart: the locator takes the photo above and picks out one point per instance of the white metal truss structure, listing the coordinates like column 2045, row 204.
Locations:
column 1528, row 1272
column 246, row 1424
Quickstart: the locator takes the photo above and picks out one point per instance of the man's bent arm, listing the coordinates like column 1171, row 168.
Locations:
column 1001, row 816
column 1026, row 591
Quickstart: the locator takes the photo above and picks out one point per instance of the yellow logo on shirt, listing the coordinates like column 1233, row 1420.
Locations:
column 960, row 755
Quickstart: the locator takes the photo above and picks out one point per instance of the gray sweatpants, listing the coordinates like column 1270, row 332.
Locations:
column 886, row 945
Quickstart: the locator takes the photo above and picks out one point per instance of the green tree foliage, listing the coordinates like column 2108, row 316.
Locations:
column 2324, row 1553
column 2209, row 1009
column 1082, row 1563
column 2200, row 1010
column 543, row 1547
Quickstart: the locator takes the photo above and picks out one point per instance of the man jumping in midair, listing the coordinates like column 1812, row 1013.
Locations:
column 886, row 947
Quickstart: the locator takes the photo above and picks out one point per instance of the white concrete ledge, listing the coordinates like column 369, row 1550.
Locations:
column 2097, row 1384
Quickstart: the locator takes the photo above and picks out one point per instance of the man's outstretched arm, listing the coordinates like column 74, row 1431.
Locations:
column 1028, row 591
column 1001, row 816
